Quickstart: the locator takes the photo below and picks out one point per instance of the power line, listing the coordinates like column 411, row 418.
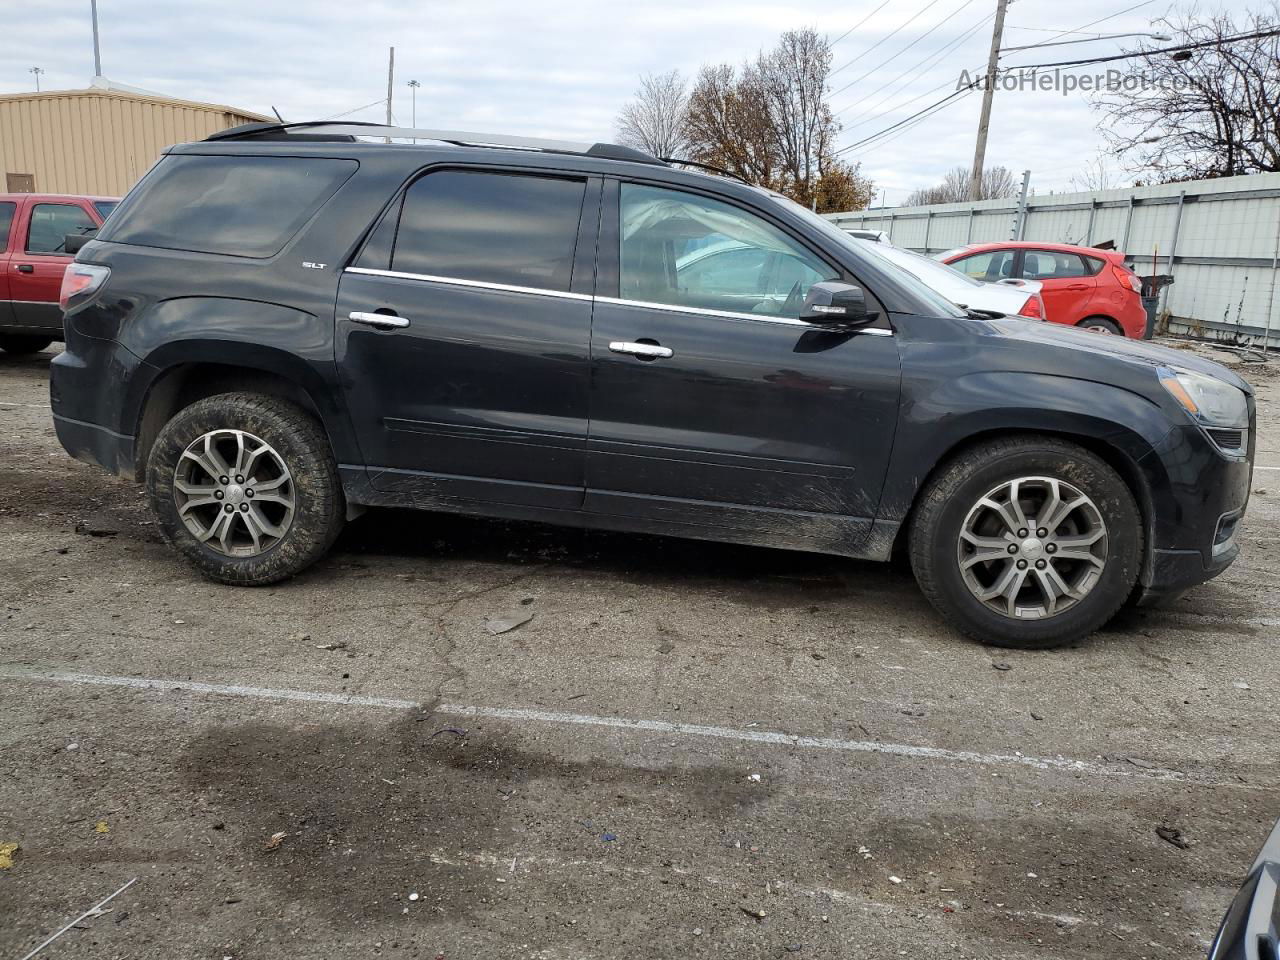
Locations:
column 922, row 66
column 860, row 22
column 1256, row 35
column 933, row 107
column 904, row 49
column 887, row 36
column 347, row 113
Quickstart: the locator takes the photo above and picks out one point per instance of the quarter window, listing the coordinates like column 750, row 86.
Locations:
column 50, row 224
column 491, row 227
column 680, row 249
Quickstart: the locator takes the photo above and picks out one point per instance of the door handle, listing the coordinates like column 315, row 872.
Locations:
column 647, row 351
column 25, row 268
column 387, row 321
column 1078, row 286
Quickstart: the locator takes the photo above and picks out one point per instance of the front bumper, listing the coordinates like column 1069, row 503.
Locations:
column 1199, row 508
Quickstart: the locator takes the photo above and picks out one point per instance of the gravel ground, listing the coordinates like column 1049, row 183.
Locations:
column 689, row 750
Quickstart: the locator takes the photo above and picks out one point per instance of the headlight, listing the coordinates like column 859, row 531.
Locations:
column 1210, row 401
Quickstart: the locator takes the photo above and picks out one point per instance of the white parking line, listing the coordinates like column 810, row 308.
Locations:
column 37, row 406
column 1266, row 468
column 526, row 716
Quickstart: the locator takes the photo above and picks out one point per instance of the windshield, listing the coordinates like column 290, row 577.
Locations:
column 940, row 305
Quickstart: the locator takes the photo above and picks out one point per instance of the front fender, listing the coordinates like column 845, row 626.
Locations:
column 940, row 415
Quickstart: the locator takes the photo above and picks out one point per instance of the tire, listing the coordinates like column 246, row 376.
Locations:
column 1103, row 325
column 286, row 512
column 19, row 344
column 1099, row 576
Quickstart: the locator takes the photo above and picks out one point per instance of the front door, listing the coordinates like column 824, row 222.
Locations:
column 462, row 334
column 39, row 260
column 715, row 411
column 1067, row 283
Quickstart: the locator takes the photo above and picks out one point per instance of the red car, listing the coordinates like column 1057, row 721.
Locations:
column 1081, row 286
column 33, row 235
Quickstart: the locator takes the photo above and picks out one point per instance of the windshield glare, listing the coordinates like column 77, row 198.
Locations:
column 940, row 305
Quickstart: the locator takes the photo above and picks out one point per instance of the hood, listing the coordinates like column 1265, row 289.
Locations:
column 1132, row 351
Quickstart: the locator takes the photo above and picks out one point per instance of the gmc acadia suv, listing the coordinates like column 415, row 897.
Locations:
column 285, row 323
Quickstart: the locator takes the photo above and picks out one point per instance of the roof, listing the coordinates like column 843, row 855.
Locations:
column 55, row 197
column 1036, row 245
column 111, row 90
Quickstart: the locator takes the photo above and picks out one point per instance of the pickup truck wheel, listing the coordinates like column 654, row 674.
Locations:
column 19, row 345
column 246, row 487
column 1027, row 542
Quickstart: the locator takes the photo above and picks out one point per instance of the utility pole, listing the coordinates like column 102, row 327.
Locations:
column 97, row 57
column 391, row 73
column 993, row 63
column 37, row 71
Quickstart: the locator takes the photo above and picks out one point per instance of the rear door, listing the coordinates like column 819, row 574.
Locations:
column 462, row 332
column 1068, row 283
column 715, row 411
column 38, row 260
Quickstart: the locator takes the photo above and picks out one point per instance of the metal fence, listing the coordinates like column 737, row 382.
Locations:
column 1219, row 239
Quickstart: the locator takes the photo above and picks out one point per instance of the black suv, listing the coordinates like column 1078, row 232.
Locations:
column 285, row 323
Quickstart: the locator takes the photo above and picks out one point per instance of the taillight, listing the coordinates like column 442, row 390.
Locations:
column 1033, row 308
column 80, row 281
column 1127, row 278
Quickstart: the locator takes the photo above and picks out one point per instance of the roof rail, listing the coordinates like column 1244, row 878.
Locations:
column 346, row 130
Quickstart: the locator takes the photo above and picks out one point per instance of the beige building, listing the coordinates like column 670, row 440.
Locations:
column 99, row 140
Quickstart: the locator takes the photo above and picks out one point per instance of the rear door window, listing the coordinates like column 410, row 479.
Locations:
column 490, row 227
column 1049, row 265
column 51, row 222
column 239, row 206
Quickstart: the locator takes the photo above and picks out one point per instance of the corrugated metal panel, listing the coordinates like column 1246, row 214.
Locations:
column 1236, row 218
column 96, row 142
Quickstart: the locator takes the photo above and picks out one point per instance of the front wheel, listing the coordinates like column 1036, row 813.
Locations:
column 245, row 486
column 1027, row 542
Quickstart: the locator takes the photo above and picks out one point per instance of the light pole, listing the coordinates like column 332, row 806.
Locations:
column 37, row 71
column 97, row 57
column 413, row 110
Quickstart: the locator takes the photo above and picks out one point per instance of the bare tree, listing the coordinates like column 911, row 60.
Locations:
column 1095, row 177
column 998, row 183
column 768, row 122
column 1215, row 113
column 655, row 120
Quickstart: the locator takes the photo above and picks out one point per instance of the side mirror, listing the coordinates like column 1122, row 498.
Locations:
column 72, row 242
column 836, row 305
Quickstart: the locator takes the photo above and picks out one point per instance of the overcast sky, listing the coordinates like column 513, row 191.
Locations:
column 564, row 69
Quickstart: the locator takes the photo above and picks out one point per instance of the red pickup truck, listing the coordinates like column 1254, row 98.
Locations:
column 33, row 236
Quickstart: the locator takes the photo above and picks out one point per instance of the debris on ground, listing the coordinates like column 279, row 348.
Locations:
column 454, row 730
column 866, row 853
column 1240, row 685
column 300, row 637
column 1173, row 835
column 608, row 837
column 274, row 842
column 413, row 896
column 101, row 827
column 1140, row 763
column 1002, row 666
column 753, row 777
column 94, row 911
column 506, row 624
column 335, row 645
column 753, row 914
column 7, row 851
column 895, row 880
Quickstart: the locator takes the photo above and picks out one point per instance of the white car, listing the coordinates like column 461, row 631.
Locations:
column 1004, row 299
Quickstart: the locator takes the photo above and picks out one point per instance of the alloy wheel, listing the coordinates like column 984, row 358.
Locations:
column 234, row 492
column 1032, row 548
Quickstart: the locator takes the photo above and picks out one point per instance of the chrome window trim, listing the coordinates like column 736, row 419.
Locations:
column 616, row 301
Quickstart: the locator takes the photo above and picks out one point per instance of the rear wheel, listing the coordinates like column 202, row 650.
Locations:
column 1027, row 542
column 245, row 486
column 1103, row 325
column 19, row 344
